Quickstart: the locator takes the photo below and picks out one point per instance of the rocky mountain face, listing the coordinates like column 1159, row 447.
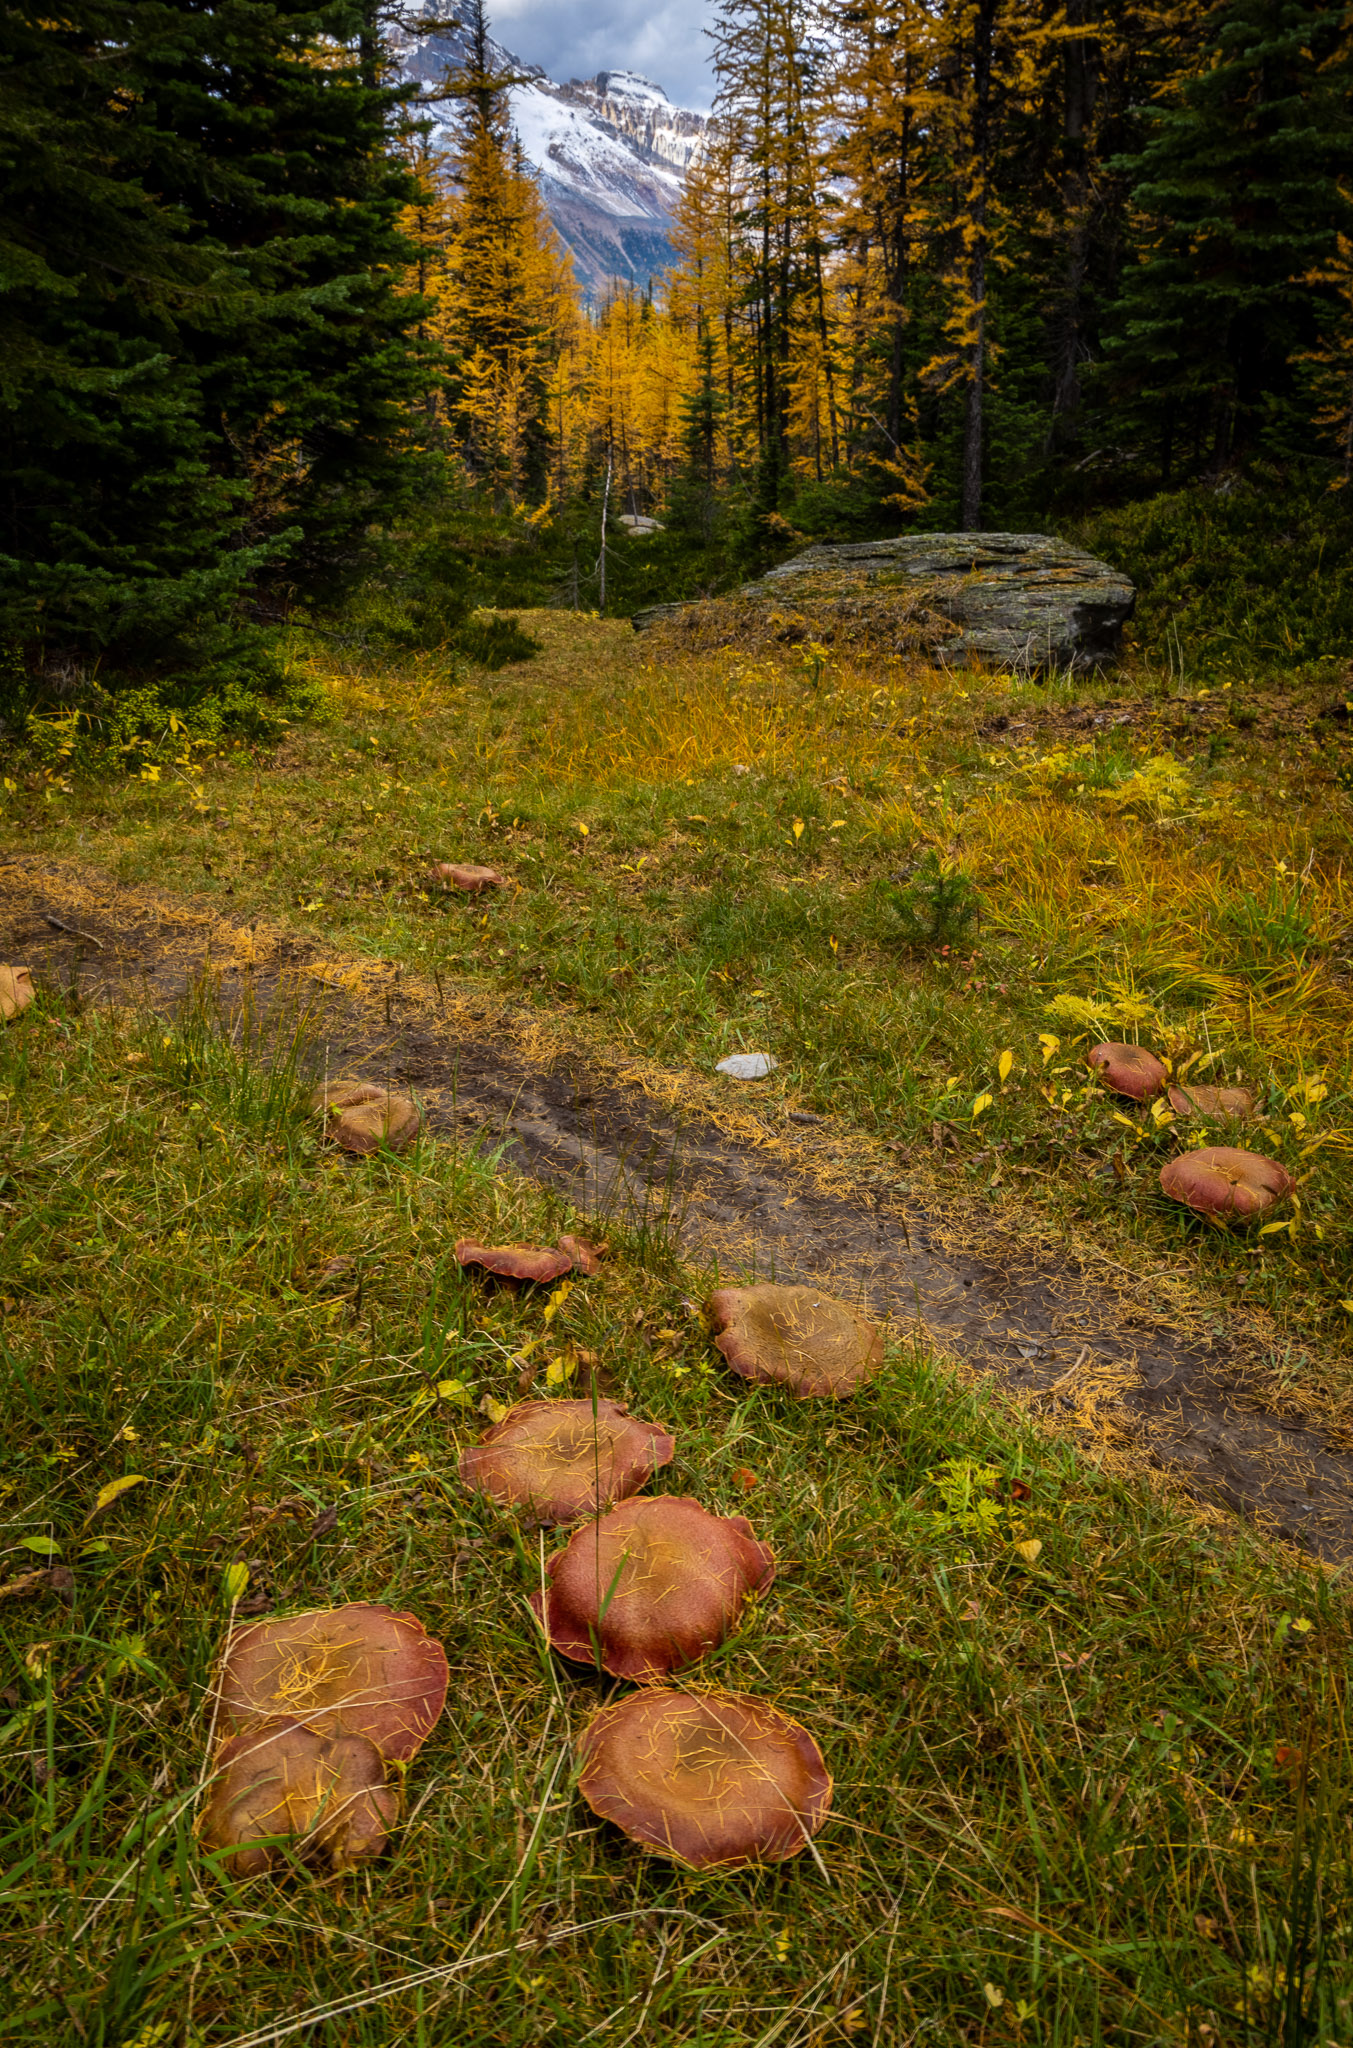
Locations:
column 609, row 154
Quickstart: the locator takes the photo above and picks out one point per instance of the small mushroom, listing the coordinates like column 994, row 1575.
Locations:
column 796, row 1337
column 1128, row 1070
column 1200, row 1098
column 451, row 874
column 16, row 991
column 361, row 1117
column 515, row 1261
column 558, row 1460
column 1223, row 1181
column 586, row 1257
column 715, row 1780
column 362, row 1669
column 280, row 1777
column 651, row 1587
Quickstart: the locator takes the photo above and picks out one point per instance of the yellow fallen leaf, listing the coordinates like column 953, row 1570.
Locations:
column 114, row 1490
column 1030, row 1550
column 41, row 1546
column 1267, row 1229
column 1004, row 1064
column 582, row 828
column 1051, row 1046
column 1302, row 1626
column 454, row 1390
column 234, row 1580
column 798, row 828
column 982, row 1103
column 494, row 1410
column 559, row 1370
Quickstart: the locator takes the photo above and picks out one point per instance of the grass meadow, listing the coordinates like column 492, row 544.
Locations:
column 1090, row 1746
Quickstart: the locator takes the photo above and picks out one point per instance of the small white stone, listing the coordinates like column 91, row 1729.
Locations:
column 747, row 1066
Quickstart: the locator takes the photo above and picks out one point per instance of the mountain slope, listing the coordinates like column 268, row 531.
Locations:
column 609, row 154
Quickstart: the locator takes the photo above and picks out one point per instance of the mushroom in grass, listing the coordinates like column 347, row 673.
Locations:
column 515, row 1261
column 716, row 1780
column 16, row 991
column 1128, row 1070
column 558, row 1460
column 362, row 1670
column 324, row 1793
column 452, row 874
column 360, row 1117
column 586, row 1256
column 651, row 1587
column 1227, row 1183
column 796, row 1337
column 1200, row 1098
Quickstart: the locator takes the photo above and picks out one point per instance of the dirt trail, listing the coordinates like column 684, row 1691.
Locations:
column 1084, row 1341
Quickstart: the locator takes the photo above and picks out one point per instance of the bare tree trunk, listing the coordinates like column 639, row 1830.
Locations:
column 605, row 506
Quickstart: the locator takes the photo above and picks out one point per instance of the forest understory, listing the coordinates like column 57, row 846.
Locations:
column 1049, row 1598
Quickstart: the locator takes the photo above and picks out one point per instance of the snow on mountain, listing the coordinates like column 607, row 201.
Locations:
column 609, row 154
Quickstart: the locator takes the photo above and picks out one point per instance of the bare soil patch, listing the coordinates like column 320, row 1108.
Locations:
column 1084, row 1343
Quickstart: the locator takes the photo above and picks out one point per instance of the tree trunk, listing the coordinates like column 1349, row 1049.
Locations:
column 984, row 32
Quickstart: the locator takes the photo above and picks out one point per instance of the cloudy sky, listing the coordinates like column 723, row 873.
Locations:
column 576, row 38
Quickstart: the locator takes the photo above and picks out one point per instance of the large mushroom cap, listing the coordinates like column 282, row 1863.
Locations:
column 16, row 991
column 360, row 1117
column 1200, row 1098
column 1223, row 1181
column 515, row 1261
column 454, row 874
column 709, row 1778
column 280, row 1777
column 355, row 1670
column 558, row 1460
column 796, row 1336
column 1128, row 1070
column 651, row 1587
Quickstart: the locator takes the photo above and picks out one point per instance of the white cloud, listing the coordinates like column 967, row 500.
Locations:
column 660, row 38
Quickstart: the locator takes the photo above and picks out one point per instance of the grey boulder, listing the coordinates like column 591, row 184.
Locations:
column 1019, row 600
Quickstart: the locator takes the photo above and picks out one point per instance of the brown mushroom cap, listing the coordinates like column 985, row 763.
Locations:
column 1128, row 1070
column 280, row 1777
column 16, row 991
column 1224, row 1181
column 1200, row 1098
column 361, row 1117
column 355, row 1670
column 586, row 1256
column 558, row 1460
column 795, row 1336
column 712, row 1779
column 453, row 874
column 515, row 1261
column 652, row 1586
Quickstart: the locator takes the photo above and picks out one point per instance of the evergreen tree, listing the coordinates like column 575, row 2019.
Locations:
column 1238, row 199
column 205, row 363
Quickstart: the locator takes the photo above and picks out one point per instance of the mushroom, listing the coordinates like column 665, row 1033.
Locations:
column 515, row 1261
column 451, row 874
column 1128, row 1070
column 280, row 1777
column 1222, row 1181
column 16, row 991
column 796, row 1337
column 1200, row 1098
column 362, row 1117
column 362, row 1669
column 559, row 1460
column 716, row 1780
column 586, row 1256
column 651, row 1587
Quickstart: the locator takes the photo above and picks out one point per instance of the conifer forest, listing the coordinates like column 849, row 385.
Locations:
column 676, row 1024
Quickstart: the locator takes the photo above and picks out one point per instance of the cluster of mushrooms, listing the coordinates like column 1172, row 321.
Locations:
column 320, row 1714
column 1220, row 1181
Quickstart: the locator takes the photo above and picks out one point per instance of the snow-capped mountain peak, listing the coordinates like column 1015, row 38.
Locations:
column 610, row 154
